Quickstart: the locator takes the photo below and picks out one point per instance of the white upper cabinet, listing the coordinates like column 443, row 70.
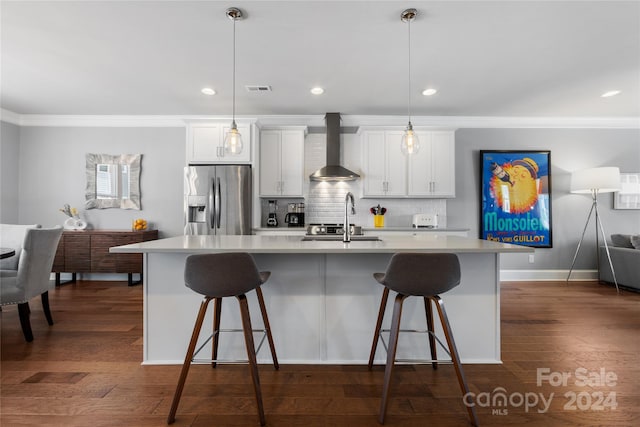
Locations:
column 384, row 173
column 388, row 173
column 282, row 161
column 432, row 169
column 205, row 141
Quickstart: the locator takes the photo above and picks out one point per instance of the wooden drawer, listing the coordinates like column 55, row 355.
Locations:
column 87, row 251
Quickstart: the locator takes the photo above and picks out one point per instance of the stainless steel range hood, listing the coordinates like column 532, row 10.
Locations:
column 333, row 171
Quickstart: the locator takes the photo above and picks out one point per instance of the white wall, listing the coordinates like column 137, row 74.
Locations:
column 9, row 172
column 52, row 173
column 571, row 149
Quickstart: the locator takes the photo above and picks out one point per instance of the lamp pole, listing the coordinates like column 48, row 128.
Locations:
column 599, row 227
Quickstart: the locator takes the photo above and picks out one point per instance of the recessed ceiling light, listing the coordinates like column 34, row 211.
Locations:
column 208, row 91
column 429, row 92
column 610, row 93
column 317, row 91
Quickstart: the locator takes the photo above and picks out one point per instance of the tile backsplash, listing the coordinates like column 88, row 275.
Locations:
column 325, row 204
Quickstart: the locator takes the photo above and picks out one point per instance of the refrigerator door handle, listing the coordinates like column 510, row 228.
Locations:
column 218, row 198
column 212, row 203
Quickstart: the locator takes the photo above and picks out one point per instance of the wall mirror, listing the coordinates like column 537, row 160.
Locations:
column 113, row 181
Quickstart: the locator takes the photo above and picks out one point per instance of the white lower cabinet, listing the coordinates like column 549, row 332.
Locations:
column 388, row 173
column 205, row 142
column 282, row 162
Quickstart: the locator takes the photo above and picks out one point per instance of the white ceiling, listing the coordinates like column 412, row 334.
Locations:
column 500, row 58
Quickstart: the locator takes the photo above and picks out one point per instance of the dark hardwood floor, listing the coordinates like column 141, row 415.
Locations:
column 85, row 370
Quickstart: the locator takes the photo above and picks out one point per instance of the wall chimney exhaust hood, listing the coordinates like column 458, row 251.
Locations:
column 333, row 171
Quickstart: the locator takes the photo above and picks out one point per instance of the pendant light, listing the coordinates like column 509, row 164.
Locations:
column 233, row 139
column 410, row 143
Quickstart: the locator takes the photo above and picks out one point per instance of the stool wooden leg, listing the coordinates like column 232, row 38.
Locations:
column 376, row 334
column 217, row 312
column 454, row 356
column 251, row 354
column 267, row 327
column 432, row 339
column 187, row 359
column 391, row 354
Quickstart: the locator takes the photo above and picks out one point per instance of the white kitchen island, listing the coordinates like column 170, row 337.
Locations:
column 321, row 297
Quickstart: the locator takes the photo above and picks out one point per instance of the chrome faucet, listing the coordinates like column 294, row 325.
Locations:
column 346, row 234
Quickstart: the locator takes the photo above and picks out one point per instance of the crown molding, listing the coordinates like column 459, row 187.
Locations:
column 9, row 117
column 473, row 122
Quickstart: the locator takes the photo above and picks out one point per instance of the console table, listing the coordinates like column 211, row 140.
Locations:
column 87, row 251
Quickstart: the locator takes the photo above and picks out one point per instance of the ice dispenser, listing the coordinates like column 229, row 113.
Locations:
column 196, row 209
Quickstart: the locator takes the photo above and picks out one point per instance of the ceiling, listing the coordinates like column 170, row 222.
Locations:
column 500, row 58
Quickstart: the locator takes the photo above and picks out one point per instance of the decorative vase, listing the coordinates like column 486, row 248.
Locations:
column 75, row 224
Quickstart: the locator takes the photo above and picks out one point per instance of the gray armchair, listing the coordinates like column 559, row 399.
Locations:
column 32, row 276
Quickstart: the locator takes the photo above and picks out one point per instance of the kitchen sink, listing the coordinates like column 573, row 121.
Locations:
column 338, row 238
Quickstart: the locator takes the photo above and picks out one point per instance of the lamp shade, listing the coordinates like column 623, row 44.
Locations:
column 602, row 180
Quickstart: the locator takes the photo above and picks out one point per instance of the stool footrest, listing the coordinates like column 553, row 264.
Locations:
column 386, row 348
column 193, row 359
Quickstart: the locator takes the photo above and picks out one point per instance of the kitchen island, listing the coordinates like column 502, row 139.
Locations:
column 321, row 297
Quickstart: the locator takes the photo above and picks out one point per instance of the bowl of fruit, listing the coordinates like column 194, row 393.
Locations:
column 139, row 224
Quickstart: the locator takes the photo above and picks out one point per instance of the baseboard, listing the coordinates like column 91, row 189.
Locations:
column 547, row 275
column 505, row 275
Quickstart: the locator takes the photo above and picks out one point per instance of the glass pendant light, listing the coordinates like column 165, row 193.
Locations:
column 233, row 140
column 410, row 143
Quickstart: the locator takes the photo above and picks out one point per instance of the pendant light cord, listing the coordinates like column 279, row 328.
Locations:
column 409, row 52
column 234, row 72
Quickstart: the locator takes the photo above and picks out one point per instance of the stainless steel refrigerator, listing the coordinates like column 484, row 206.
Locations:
column 217, row 199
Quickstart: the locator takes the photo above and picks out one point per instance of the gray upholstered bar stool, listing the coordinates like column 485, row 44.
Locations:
column 217, row 276
column 427, row 276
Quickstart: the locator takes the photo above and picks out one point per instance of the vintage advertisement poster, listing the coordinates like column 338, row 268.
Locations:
column 516, row 197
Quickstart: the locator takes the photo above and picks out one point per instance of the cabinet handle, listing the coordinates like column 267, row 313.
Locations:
column 281, row 186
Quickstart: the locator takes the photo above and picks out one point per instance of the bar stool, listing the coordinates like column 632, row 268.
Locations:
column 217, row 276
column 427, row 276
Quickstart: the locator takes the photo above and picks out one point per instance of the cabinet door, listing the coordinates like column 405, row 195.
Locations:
column 374, row 163
column 58, row 260
column 77, row 252
column 101, row 260
column 396, row 165
column 420, row 183
column 292, row 162
column 443, row 164
column 203, row 142
column 128, row 263
column 432, row 169
column 270, row 178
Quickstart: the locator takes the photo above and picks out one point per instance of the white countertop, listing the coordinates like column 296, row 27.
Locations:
column 422, row 242
column 369, row 230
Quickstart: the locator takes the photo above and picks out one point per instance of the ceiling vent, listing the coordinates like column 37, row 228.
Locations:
column 258, row 88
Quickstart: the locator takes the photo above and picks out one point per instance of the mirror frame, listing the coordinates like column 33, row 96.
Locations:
column 133, row 161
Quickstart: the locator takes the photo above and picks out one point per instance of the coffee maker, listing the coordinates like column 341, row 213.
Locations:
column 272, row 218
column 295, row 215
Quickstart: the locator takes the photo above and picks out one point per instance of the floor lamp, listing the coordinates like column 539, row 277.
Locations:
column 595, row 181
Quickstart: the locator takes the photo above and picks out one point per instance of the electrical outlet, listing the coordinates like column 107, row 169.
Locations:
column 531, row 258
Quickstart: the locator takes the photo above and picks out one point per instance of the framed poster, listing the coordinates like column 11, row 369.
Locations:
column 515, row 205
